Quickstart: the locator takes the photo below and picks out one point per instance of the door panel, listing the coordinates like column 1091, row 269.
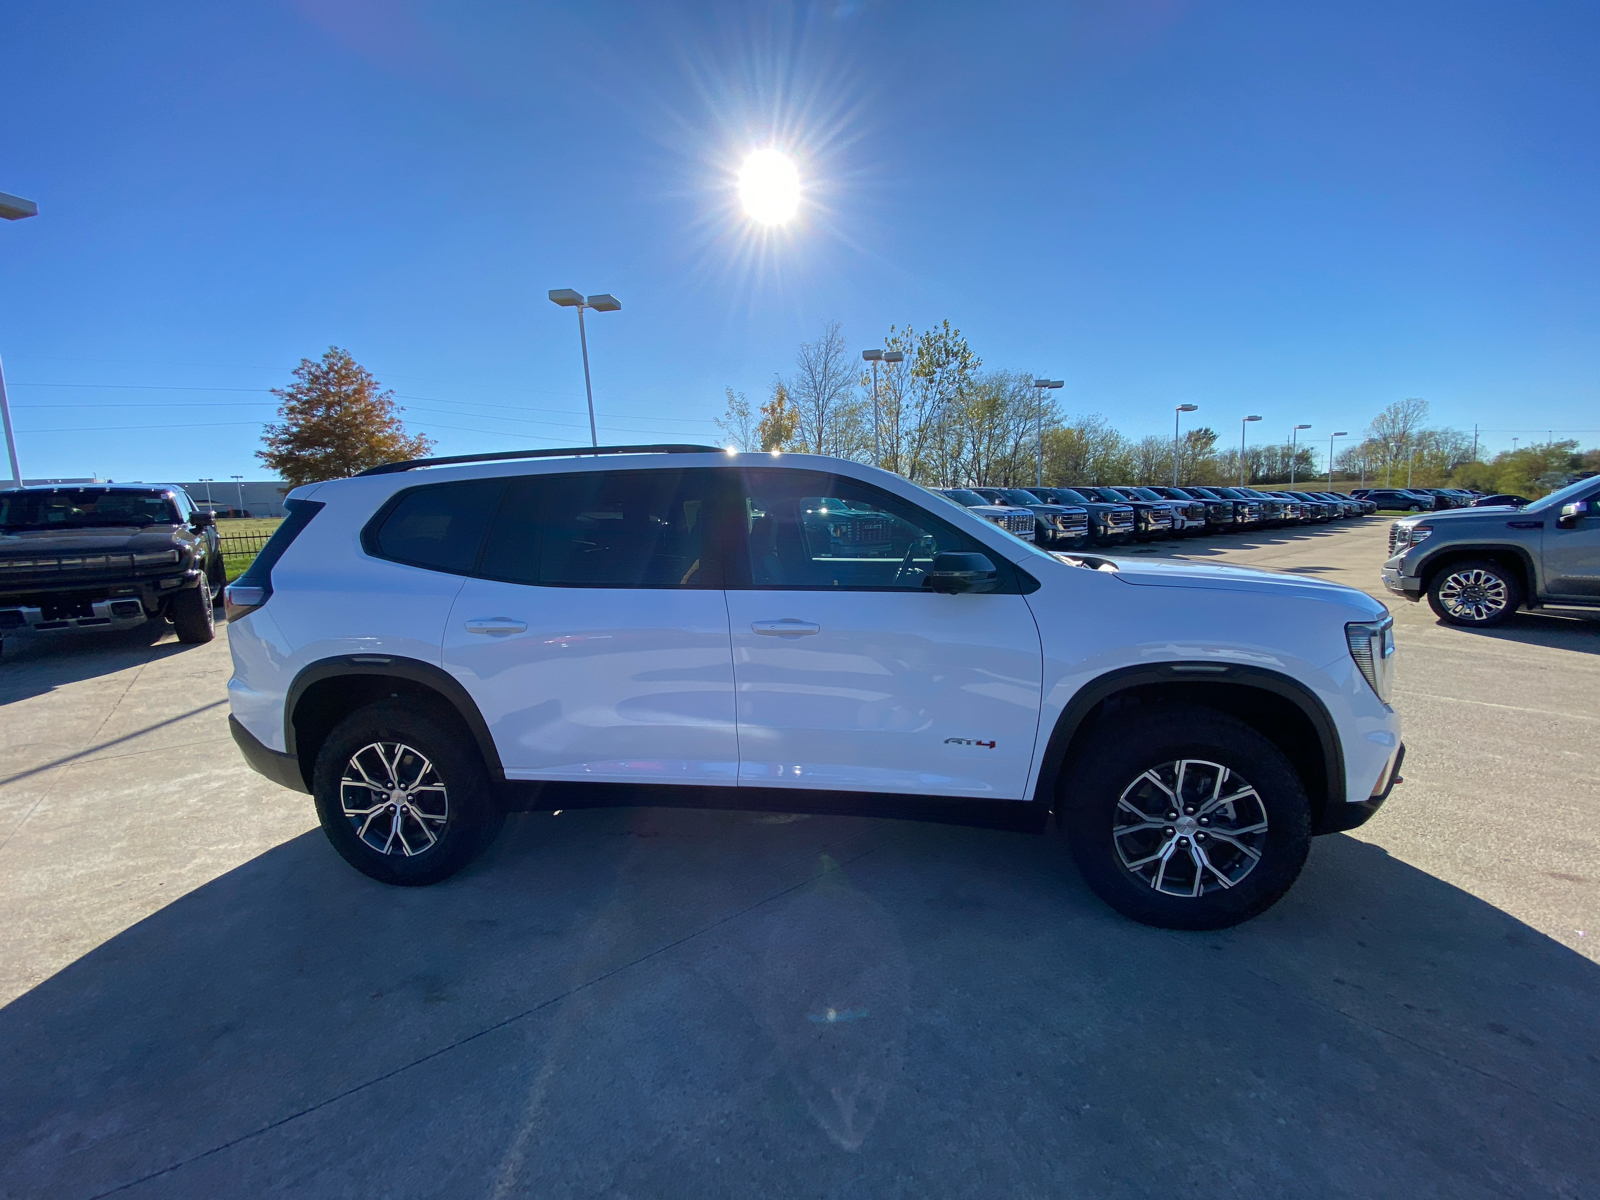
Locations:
column 1572, row 557
column 850, row 674
column 595, row 637
column 895, row 692
column 599, row 683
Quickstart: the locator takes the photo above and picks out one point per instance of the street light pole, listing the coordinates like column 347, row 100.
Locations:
column 1243, row 425
column 1294, row 449
column 208, row 483
column 1038, row 422
column 239, row 483
column 604, row 302
column 1340, row 434
column 1176, row 417
column 12, row 208
column 874, row 357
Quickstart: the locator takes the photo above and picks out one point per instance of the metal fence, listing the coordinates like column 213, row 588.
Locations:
column 240, row 549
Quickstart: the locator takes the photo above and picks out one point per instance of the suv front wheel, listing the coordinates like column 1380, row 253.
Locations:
column 1474, row 594
column 1185, row 818
column 402, row 794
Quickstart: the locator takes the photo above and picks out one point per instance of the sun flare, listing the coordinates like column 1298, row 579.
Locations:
column 769, row 187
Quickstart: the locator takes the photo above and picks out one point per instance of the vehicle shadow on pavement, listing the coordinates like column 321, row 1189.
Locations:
column 1551, row 630
column 690, row 1003
column 30, row 666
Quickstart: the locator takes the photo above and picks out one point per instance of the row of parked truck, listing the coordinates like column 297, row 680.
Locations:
column 1069, row 517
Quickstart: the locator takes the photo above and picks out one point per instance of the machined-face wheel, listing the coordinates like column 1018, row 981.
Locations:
column 1474, row 595
column 1189, row 828
column 394, row 799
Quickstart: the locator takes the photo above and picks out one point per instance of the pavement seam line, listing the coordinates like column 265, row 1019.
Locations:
column 1538, row 712
column 498, row 1025
column 83, row 755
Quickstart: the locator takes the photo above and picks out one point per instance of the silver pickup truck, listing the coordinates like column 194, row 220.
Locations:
column 1477, row 566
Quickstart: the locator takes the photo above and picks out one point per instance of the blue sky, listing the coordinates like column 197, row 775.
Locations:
column 1302, row 211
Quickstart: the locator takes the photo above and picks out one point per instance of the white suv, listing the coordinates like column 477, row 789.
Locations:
column 431, row 644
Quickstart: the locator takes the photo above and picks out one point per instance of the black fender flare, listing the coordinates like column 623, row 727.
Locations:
column 385, row 666
column 1103, row 687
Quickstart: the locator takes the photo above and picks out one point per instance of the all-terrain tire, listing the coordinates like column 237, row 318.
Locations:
column 402, row 793
column 1151, row 782
column 192, row 614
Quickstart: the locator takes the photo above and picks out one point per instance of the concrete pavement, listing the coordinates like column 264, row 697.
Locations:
column 204, row 1000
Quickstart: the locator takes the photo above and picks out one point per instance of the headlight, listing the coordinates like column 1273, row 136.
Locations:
column 1372, row 647
column 158, row 559
column 1410, row 535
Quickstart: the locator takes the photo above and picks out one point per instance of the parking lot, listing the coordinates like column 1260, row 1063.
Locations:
column 202, row 999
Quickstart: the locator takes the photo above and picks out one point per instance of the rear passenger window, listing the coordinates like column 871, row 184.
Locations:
column 607, row 529
column 440, row 526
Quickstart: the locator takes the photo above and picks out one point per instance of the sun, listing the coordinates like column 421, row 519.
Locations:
column 769, row 187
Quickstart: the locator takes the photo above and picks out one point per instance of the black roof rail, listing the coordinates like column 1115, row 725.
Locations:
column 560, row 452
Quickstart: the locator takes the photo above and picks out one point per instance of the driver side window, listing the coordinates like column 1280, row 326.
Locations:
column 809, row 530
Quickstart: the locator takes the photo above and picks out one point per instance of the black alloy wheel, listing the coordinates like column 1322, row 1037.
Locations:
column 192, row 614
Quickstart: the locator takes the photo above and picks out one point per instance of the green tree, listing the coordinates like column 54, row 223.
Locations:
column 335, row 422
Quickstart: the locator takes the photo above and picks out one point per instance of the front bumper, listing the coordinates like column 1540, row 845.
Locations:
column 1337, row 818
column 1398, row 582
column 44, row 608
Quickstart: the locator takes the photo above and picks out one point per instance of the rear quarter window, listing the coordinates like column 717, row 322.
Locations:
column 439, row 526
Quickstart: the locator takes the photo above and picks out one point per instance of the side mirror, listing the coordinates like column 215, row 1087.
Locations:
column 1572, row 513
column 202, row 518
column 953, row 572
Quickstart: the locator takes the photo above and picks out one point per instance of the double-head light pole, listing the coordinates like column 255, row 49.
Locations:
column 604, row 302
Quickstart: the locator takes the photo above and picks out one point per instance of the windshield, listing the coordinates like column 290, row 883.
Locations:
column 85, row 508
column 1573, row 491
column 1018, row 496
column 1106, row 493
column 1070, row 495
column 963, row 496
column 1145, row 493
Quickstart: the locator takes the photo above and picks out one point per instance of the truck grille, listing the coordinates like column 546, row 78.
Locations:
column 1076, row 522
column 860, row 533
column 1394, row 537
column 88, row 562
column 1020, row 524
column 1119, row 520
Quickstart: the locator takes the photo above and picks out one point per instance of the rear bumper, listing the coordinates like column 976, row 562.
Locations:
column 1350, row 815
column 282, row 769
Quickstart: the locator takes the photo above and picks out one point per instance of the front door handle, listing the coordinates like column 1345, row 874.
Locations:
column 496, row 626
column 789, row 627
column 1526, row 524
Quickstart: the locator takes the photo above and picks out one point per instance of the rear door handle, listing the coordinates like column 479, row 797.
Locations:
column 789, row 627
column 496, row 626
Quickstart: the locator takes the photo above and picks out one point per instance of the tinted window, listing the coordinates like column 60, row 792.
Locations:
column 964, row 497
column 85, row 508
column 797, row 536
column 439, row 527
column 607, row 529
column 1074, row 495
column 1019, row 497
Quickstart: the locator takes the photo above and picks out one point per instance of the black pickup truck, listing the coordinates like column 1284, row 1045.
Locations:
column 106, row 556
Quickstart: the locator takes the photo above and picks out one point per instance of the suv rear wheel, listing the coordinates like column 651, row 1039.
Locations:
column 1185, row 818
column 402, row 794
column 1474, row 594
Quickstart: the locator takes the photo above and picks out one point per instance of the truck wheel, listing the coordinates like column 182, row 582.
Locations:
column 1184, row 818
column 1475, row 594
column 218, row 574
column 192, row 615
column 403, row 795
